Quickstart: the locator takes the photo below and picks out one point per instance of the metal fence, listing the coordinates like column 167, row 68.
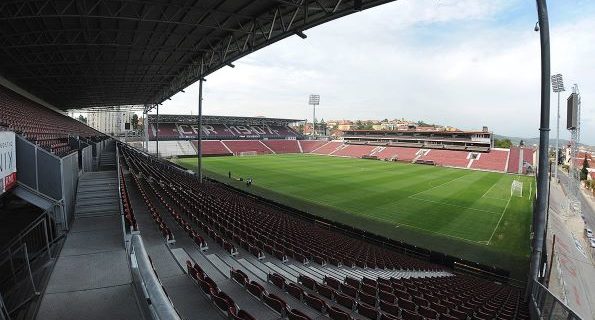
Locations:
column 22, row 259
column 544, row 305
column 43, row 173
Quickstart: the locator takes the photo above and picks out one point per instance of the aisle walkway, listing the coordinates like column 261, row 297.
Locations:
column 91, row 279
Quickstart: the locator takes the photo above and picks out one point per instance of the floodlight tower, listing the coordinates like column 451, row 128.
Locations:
column 575, row 139
column 314, row 101
column 557, row 86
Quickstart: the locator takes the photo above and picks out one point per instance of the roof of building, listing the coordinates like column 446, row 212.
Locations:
column 446, row 132
column 231, row 120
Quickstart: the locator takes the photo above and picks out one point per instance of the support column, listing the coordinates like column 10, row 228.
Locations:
column 199, row 146
column 157, row 133
column 146, row 128
column 557, row 139
column 544, row 128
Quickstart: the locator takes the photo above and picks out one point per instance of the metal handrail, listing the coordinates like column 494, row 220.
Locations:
column 45, row 216
column 547, row 306
column 159, row 303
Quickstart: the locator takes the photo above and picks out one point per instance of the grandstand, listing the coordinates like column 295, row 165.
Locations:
column 94, row 228
column 428, row 139
column 184, row 127
column 224, row 135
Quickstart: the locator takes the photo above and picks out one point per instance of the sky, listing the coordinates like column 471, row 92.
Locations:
column 464, row 63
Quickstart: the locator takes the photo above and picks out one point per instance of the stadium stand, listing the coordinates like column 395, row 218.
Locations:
column 528, row 159
column 448, row 158
column 513, row 160
column 283, row 146
column 46, row 128
column 495, row 160
column 239, row 146
column 212, row 148
column 398, row 153
column 173, row 127
column 325, row 281
column 354, row 150
column 430, row 138
column 167, row 131
column 328, row 148
column 171, row 148
column 263, row 229
column 311, row 145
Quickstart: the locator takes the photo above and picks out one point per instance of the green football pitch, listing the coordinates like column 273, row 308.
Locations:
column 420, row 204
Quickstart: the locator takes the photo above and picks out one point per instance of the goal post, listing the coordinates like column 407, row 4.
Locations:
column 516, row 190
column 247, row 153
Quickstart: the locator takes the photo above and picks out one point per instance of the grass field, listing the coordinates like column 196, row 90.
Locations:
column 392, row 199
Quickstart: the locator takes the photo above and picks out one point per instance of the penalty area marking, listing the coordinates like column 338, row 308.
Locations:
column 490, row 189
column 434, row 232
column 453, row 205
column 440, row 185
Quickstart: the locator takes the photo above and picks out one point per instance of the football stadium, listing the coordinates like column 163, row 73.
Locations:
column 193, row 216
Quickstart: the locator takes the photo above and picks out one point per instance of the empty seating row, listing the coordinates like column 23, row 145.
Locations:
column 264, row 229
column 283, row 146
column 40, row 125
column 221, row 300
column 230, row 217
column 126, row 206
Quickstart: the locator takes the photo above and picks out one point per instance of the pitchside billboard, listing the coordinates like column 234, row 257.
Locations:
column 8, row 161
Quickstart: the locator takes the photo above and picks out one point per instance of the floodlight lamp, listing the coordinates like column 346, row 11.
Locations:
column 536, row 26
column 557, row 83
column 314, row 99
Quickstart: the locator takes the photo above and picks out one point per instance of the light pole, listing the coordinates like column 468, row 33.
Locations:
column 540, row 208
column 557, row 86
column 314, row 101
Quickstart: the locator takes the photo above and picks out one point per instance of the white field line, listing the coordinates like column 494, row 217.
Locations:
column 432, row 188
column 434, row 232
column 490, row 189
column 499, row 220
column 453, row 205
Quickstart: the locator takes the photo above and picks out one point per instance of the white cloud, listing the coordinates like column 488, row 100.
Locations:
column 450, row 62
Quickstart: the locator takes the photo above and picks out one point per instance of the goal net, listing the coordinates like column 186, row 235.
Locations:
column 247, row 153
column 517, row 189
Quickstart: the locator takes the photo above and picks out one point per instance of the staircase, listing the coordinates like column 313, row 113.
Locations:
column 97, row 194
column 107, row 159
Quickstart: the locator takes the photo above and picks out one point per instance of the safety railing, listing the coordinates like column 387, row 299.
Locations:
column 544, row 305
column 158, row 306
column 22, row 257
column 147, row 283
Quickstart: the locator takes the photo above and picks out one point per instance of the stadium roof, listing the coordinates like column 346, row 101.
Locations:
column 89, row 53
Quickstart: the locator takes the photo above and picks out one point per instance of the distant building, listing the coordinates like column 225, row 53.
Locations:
column 112, row 122
column 345, row 127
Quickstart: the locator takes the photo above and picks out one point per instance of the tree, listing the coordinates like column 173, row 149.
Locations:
column 585, row 169
column 502, row 143
column 134, row 121
column 561, row 156
column 82, row 119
